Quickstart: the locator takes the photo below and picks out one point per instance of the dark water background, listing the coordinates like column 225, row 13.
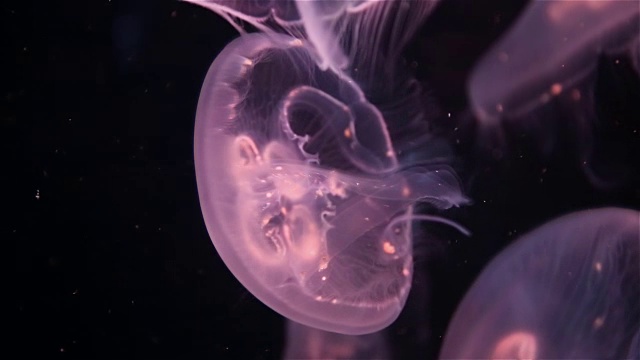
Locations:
column 109, row 250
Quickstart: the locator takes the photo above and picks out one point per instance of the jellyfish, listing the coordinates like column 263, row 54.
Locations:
column 548, row 51
column 542, row 79
column 567, row 290
column 307, row 185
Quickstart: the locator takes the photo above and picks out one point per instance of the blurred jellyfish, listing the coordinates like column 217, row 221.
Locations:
column 568, row 290
column 541, row 79
column 304, row 342
column 549, row 50
column 307, row 187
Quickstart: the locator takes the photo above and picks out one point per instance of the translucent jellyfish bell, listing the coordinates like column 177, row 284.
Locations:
column 550, row 48
column 568, row 290
column 301, row 190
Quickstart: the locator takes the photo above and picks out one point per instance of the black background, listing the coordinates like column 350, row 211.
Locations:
column 112, row 258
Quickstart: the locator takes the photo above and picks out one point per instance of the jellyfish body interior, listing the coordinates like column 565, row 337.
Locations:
column 567, row 290
column 301, row 188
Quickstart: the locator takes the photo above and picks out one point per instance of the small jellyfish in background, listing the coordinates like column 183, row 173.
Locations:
column 553, row 46
column 304, row 342
column 306, row 186
column 567, row 290
column 543, row 78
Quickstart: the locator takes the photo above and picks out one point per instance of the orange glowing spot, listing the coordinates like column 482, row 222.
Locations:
column 556, row 89
column 323, row 263
column 517, row 345
column 388, row 248
column 347, row 133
